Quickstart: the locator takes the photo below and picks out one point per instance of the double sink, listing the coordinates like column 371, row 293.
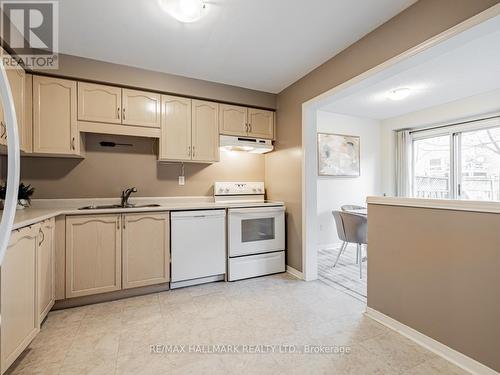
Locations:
column 113, row 206
column 124, row 204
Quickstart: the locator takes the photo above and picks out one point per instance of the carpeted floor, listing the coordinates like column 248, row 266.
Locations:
column 345, row 275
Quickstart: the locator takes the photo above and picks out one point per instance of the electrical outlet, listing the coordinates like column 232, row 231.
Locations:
column 182, row 181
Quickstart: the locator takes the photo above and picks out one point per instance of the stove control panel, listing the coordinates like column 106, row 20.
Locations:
column 239, row 188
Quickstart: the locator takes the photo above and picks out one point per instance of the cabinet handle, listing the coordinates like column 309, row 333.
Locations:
column 40, row 231
column 124, row 221
column 118, row 223
column 246, row 128
column 123, row 114
column 193, row 151
column 118, row 112
column 189, row 150
column 249, row 128
column 73, row 143
column 4, row 129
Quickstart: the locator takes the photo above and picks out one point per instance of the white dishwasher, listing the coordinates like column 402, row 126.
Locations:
column 198, row 247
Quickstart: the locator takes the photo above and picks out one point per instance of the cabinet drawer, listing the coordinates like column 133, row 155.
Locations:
column 256, row 265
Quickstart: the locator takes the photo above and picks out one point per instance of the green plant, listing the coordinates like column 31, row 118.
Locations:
column 25, row 192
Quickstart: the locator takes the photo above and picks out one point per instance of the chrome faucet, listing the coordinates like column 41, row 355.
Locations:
column 126, row 195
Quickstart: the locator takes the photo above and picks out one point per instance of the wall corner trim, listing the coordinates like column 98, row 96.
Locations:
column 292, row 271
column 449, row 354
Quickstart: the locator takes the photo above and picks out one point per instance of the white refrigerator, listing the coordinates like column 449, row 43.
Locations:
column 13, row 163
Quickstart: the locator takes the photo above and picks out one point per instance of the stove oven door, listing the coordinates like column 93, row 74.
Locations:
column 256, row 230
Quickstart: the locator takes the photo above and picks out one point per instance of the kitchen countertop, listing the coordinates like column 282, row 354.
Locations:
column 43, row 209
column 441, row 204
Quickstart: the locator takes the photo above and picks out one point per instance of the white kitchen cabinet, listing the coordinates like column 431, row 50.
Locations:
column 141, row 108
column 246, row 122
column 54, row 117
column 145, row 249
column 93, row 254
column 233, row 120
column 19, row 307
column 16, row 77
column 189, row 130
column 260, row 123
column 46, row 268
column 205, row 131
column 175, row 139
column 99, row 103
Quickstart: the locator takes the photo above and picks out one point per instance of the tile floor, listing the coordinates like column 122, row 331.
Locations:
column 344, row 276
column 116, row 337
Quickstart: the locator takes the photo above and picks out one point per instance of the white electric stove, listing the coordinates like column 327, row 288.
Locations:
column 256, row 235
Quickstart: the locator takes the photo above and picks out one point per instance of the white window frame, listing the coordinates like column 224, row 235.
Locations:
column 454, row 131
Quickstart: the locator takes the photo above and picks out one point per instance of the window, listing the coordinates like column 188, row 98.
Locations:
column 457, row 162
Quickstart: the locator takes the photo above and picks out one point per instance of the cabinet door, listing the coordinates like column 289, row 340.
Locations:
column 141, row 108
column 233, row 120
column 205, row 131
column 93, row 254
column 18, row 290
column 16, row 77
column 46, row 265
column 99, row 103
column 175, row 139
column 146, row 249
column 261, row 123
column 54, row 116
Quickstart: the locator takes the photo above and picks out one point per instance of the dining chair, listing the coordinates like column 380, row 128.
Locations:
column 356, row 231
column 352, row 207
column 341, row 233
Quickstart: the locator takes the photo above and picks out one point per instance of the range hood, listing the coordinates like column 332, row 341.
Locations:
column 245, row 144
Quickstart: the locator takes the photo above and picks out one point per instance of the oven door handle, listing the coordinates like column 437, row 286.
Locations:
column 256, row 210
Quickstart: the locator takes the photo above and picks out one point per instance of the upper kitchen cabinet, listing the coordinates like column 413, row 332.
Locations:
column 55, row 129
column 205, row 131
column 113, row 110
column 175, row 139
column 246, row 122
column 99, row 103
column 260, row 123
column 16, row 76
column 233, row 120
column 141, row 108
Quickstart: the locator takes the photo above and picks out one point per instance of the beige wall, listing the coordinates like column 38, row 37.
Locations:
column 106, row 171
column 88, row 69
column 436, row 271
column 421, row 21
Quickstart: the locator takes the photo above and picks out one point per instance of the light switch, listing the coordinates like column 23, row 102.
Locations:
column 181, row 180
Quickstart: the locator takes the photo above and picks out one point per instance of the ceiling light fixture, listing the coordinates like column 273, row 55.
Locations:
column 185, row 10
column 399, row 94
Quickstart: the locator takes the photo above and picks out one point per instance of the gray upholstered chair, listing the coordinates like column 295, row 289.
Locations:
column 356, row 231
column 352, row 207
column 340, row 233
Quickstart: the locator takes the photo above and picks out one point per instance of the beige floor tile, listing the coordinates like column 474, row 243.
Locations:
column 399, row 352
column 116, row 337
column 437, row 366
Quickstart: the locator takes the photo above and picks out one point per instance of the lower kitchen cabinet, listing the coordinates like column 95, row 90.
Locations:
column 46, row 268
column 19, row 308
column 93, row 254
column 145, row 249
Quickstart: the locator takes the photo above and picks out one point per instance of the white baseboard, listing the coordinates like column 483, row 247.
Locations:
column 451, row 355
column 292, row 271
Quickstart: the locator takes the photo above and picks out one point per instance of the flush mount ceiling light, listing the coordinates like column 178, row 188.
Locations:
column 399, row 94
column 185, row 10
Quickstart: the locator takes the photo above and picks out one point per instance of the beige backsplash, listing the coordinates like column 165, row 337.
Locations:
column 104, row 172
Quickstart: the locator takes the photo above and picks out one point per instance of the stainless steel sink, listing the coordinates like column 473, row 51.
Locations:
column 114, row 206
column 102, row 207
